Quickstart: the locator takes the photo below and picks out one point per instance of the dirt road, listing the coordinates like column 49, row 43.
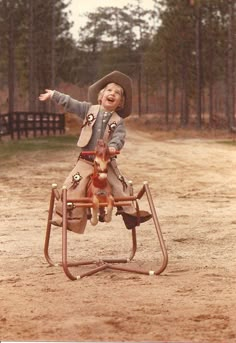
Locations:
column 193, row 183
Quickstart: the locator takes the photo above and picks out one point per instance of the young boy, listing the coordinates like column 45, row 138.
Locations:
column 110, row 101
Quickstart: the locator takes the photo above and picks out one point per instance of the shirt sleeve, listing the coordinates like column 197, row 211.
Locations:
column 118, row 138
column 71, row 105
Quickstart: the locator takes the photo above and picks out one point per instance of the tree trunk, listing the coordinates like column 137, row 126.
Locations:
column 11, row 69
column 173, row 102
column 211, row 119
column 184, row 93
column 198, row 67
column 146, row 92
column 53, row 54
column 211, row 76
column 32, row 94
column 230, row 66
column 139, row 90
column 11, row 64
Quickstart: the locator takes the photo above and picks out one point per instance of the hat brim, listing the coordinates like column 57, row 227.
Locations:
column 115, row 77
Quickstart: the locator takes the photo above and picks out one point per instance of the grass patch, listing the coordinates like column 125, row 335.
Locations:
column 51, row 143
column 229, row 142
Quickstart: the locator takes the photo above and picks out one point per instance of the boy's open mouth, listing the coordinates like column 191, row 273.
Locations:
column 110, row 99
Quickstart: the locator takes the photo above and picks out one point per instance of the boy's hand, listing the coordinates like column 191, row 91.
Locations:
column 47, row 95
column 112, row 150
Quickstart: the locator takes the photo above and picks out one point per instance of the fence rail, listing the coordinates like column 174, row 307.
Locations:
column 31, row 124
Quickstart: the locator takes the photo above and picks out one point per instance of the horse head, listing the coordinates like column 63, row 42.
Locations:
column 99, row 189
column 102, row 158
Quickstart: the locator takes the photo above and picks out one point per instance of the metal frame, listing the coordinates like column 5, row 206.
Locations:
column 116, row 264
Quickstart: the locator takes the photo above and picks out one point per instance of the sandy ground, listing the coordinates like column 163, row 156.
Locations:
column 193, row 184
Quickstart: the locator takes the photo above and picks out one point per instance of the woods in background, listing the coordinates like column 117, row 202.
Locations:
column 181, row 55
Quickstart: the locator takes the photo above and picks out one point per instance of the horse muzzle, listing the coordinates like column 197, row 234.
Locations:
column 103, row 175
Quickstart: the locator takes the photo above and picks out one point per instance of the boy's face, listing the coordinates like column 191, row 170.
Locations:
column 112, row 97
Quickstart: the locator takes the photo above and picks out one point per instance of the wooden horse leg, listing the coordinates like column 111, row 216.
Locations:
column 95, row 210
column 110, row 205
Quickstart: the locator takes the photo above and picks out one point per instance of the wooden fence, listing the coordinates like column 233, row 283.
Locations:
column 31, row 124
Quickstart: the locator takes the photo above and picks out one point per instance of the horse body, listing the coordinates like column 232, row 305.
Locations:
column 99, row 189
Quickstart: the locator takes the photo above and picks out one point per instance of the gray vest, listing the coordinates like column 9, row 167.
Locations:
column 90, row 119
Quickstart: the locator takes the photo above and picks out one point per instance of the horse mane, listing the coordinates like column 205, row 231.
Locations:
column 102, row 150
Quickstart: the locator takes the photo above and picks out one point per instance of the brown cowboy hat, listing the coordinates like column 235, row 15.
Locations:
column 114, row 77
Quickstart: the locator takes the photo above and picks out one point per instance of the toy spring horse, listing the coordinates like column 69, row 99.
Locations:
column 100, row 202
column 99, row 189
